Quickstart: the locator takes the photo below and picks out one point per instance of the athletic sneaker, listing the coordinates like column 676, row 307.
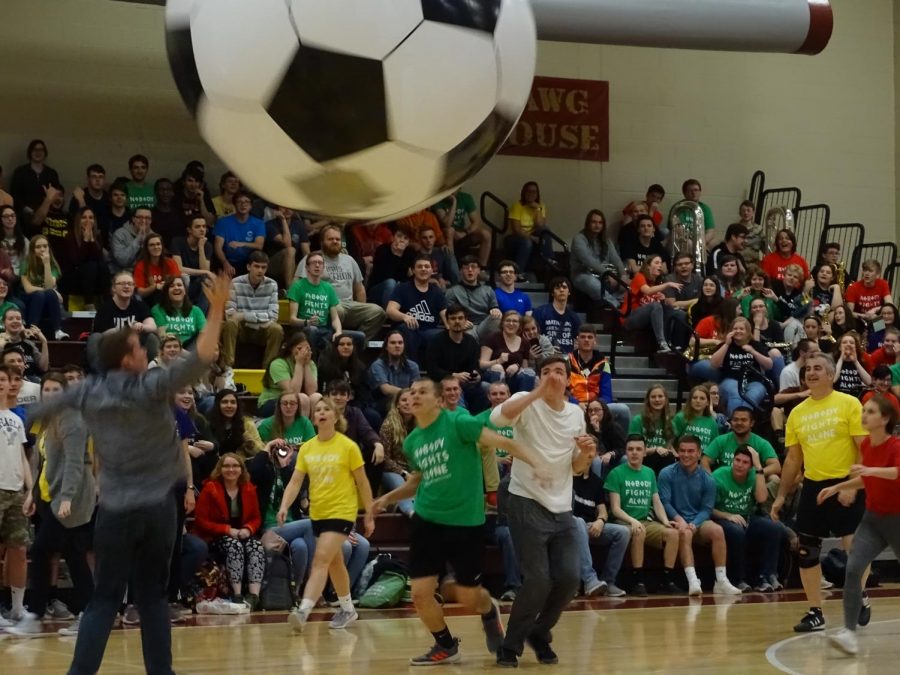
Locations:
column 342, row 619
column 130, row 616
column 812, row 621
column 694, row 588
column 865, row 612
column 16, row 615
column 763, row 586
column 663, row 348
column 5, row 623
column 776, row 584
column 508, row 595
column 544, row 652
column 845, row 640
column 57, row 611
column 639, row 590
column 726, row 588
column 29, row 626
column 667, row 588
column 614, row 591
column 297, row 619
column 743, row 587
column 825, row 584
column 437, row 655
column 595, row 589
column 493, row 628
column 72, row 628
column 507, row 658
column 176, row 612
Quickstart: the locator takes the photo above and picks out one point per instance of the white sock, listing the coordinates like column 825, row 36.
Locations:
column 691, row 575
column 306, row 605
column 720, row 575
column 346, row 603
column 18, row 598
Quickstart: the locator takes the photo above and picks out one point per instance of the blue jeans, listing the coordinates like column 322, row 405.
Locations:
column 763, row 535
column 391, row 481
column 522, row 380
column 729, row 390
column 416, row 340
column 704, row 370
column 512, row 573
column 43, row 309
column 518, row 249
column 616, row 537
column 598, row 291
column 777, row 367
column 320, row 336
column 299, row 536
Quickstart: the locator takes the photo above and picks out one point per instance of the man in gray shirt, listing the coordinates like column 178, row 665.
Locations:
column 128, row 412
column 478, row 300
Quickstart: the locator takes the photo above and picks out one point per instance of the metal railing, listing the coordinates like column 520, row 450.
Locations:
column 809, row 222
column 885, row 252
column 490, row 199
column 757, row 186
column 849, row 236
column 787, row 197
column 892, row 276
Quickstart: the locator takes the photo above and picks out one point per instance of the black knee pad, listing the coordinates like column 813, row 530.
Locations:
column 810, row 550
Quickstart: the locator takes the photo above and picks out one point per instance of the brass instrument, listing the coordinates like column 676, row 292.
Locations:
column 841, row 274
column 777, row 218
column 687, row 233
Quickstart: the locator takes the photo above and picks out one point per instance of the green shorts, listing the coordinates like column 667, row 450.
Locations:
column 14, row 529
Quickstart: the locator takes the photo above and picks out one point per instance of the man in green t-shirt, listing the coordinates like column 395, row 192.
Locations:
column 459, row 217
column 633, row 495
column 448, row 525
column 495, row 461
column 140, row 192
column 739, row 488
column 692, row 190
column 314, row 303
column 721, row 450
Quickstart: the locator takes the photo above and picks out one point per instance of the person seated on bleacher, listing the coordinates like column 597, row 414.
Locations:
column 444, row 270
column 314, row 303
column 392, row 264
column 27, row 181
column 39, row 276
column 14, row 358
column 252, row 311
column 287, row 424
column 201, row 443
column 792, row 303
column 286, row 241
column 875, row 338
column 478, row 299
column 590, row 376
column 645, row 305
column 696, row 418
column 459, row 217
column 609, row 434
column 508, row 296
column 176, row 315
column 556, row 319
column 154, row 265
column 731, row 278
column 633, row 497
column 414, row 223
column 397, row 424
column 654, row 425
column 851, row 375
column 735, row 240
column 362, row 241
column 192, row 198
column 340, row 360
column 539, row 345
column 166, row 220
column 359, row 430
column 758, row 287
column 755, row 242
column 193, row 254
column 707, row 302
column 392, row 371
column 739, row 489
column 6, row 300
column 881, row 384
column 636, row 252
column 652, row 199
column 31, row 340
column 125, row 243
column 683, row 298
column 233, row 431
column 592, row 256
column 51, row 219
column 737, row 352
column 217, row 378
column 814, row 329
column 452, row 394
column 229, row 186
column 866, row 297
column 120, row 310
column 721, row 451
column 688, row 494
column 343, row 273
column 117, row 213
column 293, row 370
column 692, row 190
column 826, row 292
column 418, row 307
column 13, row 242
column 170, row 351
column 238, row 236
column 455, row 352
column 628, row 231
column 72, row 372
column 776, row 263
column 505, row 355
column 527, row 219
column 889, row 351
column 83, row 267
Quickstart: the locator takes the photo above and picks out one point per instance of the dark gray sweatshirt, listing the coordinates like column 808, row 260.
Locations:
column 68, row 468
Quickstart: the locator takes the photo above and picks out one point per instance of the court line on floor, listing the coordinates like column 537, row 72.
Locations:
column 775, row 662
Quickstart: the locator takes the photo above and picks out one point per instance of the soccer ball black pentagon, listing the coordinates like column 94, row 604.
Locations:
column 361, row 109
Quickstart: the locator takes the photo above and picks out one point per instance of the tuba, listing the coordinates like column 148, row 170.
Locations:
column 777, row 218
column 687, row 233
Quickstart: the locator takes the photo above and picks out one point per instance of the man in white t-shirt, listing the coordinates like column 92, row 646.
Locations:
column 540, row 512
column 30, row 392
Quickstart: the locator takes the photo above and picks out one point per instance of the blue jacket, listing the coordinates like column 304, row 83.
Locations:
column 691, row 496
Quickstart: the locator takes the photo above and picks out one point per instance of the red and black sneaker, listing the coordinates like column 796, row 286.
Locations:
column 437, row 655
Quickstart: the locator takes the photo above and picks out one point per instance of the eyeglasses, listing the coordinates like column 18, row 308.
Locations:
column 9, row 214
column 507, row 271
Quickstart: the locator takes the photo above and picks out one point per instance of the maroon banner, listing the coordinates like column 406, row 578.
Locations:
column 564, row 118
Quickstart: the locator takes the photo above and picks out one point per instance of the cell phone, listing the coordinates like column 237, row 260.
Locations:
column 878, row 325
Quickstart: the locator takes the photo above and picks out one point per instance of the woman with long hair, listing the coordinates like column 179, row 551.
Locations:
column 850, row 374
column 592, row 256
column 708, row 302
column 842, row 321
column 696, row 418
column 340, row 360
column 66, row 496
column 826, row 291
column 337, row 483
column 654, row 423
column 392, row 371
column 737, row 352
column 504, row 355
column 814, row 329
column 293, row 370
column 730, row 278
column 84, row 270
column 12, row 239
column 878, row 475
column 770, row 334
column 154, row 265
column 176, row 314
column 233, row 431
column 287, row 423
column 527, row 219
column 785, row 253
column 711, row 332
column 875, row 338
column 39, row 275
column 228, row 517
column 648, row 308
column 202, row 446
column 716, row 408
column 758, row 288
column 397, row 424
column 610, row 436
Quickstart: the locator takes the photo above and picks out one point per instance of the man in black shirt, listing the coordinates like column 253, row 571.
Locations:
column 122, row 309
column 194, row 255
column 635, row 252
column 391, row 265
column 29, row 181
column 93, row 195
column 456, row 353
column 735, row 237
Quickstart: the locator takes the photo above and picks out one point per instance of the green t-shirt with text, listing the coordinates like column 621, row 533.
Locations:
column 721, row 450
column 183, row 327
column 485, row 418
column 446, row 453
column 704, row 428
column 298, row 433
column 734, row 497
column 465, row 204
column 313, row 300
column 279, row 370
column 657, row 439
column 635, row 489
column 140, row 195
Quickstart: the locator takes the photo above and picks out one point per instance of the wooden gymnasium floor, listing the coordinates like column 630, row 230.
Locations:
column 708, row 636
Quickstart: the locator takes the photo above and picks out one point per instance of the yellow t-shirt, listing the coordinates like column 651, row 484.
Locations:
column 825, row 430
column 330, row 465
column 525, row 215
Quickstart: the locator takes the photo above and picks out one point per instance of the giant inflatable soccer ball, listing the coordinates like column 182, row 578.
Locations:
column 362, row 109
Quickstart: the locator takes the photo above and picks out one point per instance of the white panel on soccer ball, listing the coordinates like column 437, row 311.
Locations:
column 441, row 84
column 516, row 43
column 179, row 12
column 257, row 150
column 242, row 54
column 403, row 175
column 358, row 27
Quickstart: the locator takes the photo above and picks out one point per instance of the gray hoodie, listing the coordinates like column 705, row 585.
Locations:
column 68, row 469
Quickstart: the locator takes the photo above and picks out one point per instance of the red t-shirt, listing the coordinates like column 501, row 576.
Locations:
column 146, row 276
column 882, row 496
column 706, row 328
column 880, row 358
column 864, row 298
column 638, row 298
column 774, row 265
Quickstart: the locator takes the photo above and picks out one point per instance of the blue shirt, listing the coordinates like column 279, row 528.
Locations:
column 517, row 300
column 689, row 495
column 560, row 328
column 230, row 229
column 381, row 372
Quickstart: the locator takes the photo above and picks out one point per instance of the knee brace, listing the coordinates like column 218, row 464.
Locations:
column 810, row 549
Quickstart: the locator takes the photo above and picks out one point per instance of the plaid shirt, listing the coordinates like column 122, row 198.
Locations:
column 258, row 305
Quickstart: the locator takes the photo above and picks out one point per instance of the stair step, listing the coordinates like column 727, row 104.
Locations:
column 625, row 388
column 643, row 372
column 623, row 362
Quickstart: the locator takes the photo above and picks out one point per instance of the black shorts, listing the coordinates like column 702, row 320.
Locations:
column 433, row 546
column 831, row 518
column 332, row 525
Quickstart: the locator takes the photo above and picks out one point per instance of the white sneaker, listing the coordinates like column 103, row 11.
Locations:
column 845, row 640
column 694, row 588
column 825, row 584
column 342, row 619
column 297, row 619
column 29, row 626
column 71, row 629
column 60, row 334
column 5, row 623
column 726, row 588
column 16, row 615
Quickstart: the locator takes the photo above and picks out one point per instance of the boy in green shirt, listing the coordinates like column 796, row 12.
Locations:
column 721, row 451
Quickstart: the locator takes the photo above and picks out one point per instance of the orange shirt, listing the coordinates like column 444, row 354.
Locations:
column 637, row 297
column 774, row 265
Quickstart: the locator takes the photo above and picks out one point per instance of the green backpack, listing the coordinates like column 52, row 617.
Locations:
column 385, row 592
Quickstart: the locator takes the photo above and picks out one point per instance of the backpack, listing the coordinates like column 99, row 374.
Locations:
column 278, row 590
column 386, row 592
